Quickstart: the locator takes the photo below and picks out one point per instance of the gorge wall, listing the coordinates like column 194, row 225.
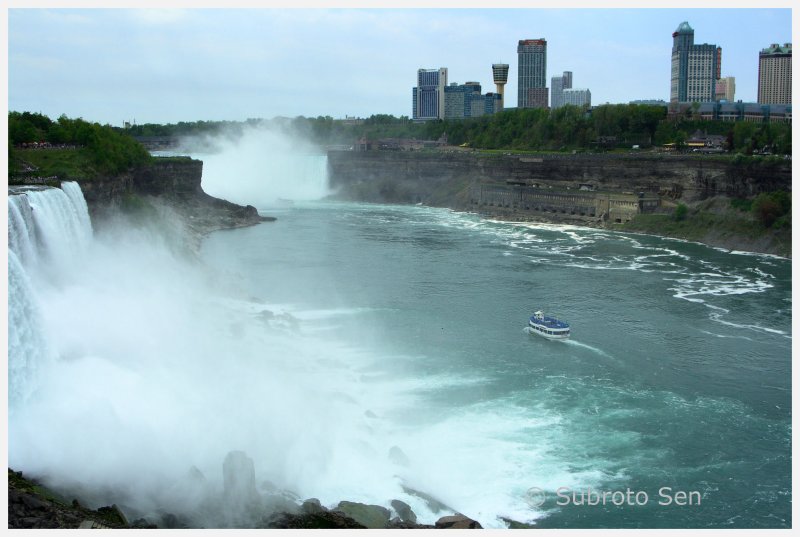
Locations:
column 169, row 185
column 445, row 178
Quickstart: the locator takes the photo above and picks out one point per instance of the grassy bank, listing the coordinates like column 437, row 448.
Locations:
column 61, row 163
column 717, row 222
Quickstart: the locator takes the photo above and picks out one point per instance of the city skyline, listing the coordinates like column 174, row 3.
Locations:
column 226, row 64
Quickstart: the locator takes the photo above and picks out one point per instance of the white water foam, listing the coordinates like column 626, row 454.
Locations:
column 164, row 377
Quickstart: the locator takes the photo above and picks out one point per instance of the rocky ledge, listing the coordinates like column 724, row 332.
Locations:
column 32, row 506
column 240, row 505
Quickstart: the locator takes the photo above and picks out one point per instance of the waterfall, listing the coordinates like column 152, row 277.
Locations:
column 48, row 230
column 61, row 224
column 21, row 234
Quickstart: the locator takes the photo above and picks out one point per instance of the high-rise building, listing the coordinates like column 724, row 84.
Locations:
column 557, row 86
column 463, row 101
column 775, row 74
column 458, row 99
column 726, row 89
column 531, row 73
column 500, row 76
column 577, row 97
column 428, row 96
column 695, row 68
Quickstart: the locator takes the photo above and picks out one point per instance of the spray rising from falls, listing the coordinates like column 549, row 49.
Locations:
column 136, row 373
column 262, row 167
column 151, row 379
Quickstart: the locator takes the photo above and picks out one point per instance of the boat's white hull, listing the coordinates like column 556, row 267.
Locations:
column 549, row 333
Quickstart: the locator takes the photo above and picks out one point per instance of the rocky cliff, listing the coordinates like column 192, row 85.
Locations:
column 168, row 189
column 443, row 179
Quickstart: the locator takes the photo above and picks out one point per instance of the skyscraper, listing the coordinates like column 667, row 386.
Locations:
column 428, row 96
column 695, row 68
column 775, row 74
column 557, row 86
column 531, row 73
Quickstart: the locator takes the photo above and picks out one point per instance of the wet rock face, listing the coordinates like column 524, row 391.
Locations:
column 31, row 506
column 318, row 520
column 457, row 522
column 239, row 480
column 239, row 475
column 371, row 516
column 404, row 511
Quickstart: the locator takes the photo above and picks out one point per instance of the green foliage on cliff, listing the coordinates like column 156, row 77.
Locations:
column 69, row 148
column 718, row 222
column 773, row 209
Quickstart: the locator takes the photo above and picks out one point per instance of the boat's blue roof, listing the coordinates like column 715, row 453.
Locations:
column 549, row 322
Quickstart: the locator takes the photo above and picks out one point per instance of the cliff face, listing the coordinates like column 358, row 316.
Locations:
column 172, row 185
column 444, row 178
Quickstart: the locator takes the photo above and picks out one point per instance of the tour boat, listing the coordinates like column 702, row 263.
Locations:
column 549, row 327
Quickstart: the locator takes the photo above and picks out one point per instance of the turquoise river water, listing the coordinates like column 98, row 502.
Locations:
column 669, row 407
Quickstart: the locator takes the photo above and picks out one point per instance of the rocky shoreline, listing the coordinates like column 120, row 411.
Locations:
column 446, row 179
column 765, row 244
column 32, row 505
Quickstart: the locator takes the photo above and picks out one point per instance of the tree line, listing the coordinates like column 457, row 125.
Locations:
column 567, row 128
column 108, row 150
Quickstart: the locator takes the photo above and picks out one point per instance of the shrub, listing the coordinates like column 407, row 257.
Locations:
column 742, row 204
column 680, row 212
column 769, row 207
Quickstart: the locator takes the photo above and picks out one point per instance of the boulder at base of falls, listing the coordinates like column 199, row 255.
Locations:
column 404, row 511
column 319, row 520
column 371, row 516
column 457, row 522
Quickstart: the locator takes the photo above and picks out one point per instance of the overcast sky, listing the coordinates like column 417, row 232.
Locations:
column 164, row 66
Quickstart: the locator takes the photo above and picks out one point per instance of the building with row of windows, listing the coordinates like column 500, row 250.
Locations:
column 465, row 100
column 562, row 92
column 531, row 73
column 434, row 98
column 775, row 74
column 695, row 68
column 696, row 72
column 725, row 89
column 581, row 97
column 557, row 86
column 428, row 95
column 752, row 112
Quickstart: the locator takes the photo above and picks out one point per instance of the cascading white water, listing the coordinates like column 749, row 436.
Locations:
column 50, row 224
column 21, row 233
column 28, row 350
column 129, row 367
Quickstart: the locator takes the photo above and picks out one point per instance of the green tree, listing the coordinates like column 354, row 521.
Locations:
column 769, row 207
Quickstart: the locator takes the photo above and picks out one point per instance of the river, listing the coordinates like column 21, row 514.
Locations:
column 356, row 352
